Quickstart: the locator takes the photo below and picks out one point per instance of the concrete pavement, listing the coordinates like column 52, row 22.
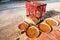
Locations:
column 10, row 17
column 11, row 5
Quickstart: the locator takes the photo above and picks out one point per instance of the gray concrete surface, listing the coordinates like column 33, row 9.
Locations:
column 10, row 17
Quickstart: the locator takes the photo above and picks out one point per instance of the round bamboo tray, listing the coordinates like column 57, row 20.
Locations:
column 23, row 25
column 33, row 32
column 44, row 27
column 51, row 21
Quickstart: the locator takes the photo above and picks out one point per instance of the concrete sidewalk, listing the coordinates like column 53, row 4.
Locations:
column 11, row 5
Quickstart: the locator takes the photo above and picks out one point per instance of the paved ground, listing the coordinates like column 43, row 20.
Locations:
column 10, row 16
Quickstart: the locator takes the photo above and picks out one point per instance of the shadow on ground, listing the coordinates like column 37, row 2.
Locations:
column 51, row 13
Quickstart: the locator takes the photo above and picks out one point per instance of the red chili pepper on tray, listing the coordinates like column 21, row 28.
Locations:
column 34, row 9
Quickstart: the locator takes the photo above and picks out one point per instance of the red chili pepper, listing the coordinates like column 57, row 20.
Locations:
column 32, row 9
